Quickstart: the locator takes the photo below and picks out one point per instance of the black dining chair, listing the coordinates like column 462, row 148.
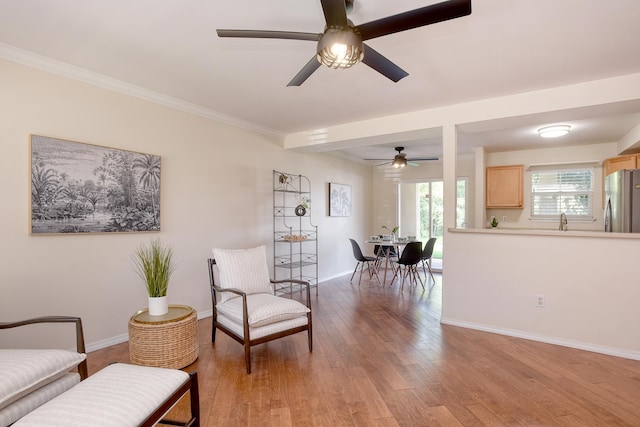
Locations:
column 363, row 261
column 385, row 253
column 427, row 253
column 407, row 264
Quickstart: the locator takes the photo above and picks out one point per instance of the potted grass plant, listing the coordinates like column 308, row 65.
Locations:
column 392, row 231
column 155, row 263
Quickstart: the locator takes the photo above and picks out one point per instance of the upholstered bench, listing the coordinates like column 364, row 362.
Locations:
column 119, row 395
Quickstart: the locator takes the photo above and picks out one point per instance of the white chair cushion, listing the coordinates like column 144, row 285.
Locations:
column 22, row 371
column 244, row 269
column 21, row 407
column 262, row 331
column 119, row 395
column 262, row 309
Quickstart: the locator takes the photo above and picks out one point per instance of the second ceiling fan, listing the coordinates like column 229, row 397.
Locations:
column 341, row 44
column 400, row 160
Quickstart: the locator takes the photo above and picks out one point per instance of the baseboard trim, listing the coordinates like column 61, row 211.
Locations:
column 205, row 314
column 99, row 345
column 334, row 276
column 618, row 352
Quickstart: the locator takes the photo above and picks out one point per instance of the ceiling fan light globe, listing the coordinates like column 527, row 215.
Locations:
column 339, row 51
column 399, row 162
column 340, row 47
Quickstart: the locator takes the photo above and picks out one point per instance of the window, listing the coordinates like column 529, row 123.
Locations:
column 461, row 203
column 562, row 188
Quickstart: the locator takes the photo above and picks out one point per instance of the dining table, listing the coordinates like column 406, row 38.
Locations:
column 384, row 250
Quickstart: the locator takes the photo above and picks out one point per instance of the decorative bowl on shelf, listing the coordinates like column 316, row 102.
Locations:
column 295, row 237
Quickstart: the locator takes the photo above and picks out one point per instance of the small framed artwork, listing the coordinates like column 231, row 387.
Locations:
column 339, row 199
column 83, row 188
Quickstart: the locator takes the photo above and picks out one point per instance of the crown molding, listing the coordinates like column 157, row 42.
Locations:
column 63, row 69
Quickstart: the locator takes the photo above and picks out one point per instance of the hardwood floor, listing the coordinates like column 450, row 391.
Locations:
column 381, row 358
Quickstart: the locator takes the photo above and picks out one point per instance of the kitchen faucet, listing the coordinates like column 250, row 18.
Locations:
column 563, row 222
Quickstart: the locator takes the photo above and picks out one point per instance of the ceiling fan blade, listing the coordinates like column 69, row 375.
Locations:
column 382, row 65
column 264, row 34
column 335, row 12
column 415, row 18
column 410, row 163
column 306, row 71
column 422, row 159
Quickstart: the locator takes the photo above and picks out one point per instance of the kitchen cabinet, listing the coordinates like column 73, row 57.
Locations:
column 615, row 164
column 504, row 186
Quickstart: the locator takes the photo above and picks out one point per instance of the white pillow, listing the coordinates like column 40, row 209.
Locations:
column 22, row 371
column 244, row 269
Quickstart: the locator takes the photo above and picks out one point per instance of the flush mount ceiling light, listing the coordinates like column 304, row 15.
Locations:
column 554, row 131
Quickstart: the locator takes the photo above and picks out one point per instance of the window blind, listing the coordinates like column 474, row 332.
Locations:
column 559, row 188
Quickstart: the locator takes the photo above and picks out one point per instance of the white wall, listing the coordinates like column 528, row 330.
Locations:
column 590, row 287
column 216, row 191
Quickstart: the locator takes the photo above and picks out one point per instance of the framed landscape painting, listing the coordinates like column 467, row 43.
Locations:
column 339, row 199
column 83, row 188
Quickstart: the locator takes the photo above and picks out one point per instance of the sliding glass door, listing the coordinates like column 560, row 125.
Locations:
column 421, row 212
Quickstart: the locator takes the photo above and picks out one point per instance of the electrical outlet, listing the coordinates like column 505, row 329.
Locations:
column 540, row 301
column 504, row 218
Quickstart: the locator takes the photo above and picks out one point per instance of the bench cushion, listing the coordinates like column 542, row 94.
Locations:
column 23, row 371
column 119, row 395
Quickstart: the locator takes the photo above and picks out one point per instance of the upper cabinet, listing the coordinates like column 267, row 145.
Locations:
column 615, row 164
column 504, row 186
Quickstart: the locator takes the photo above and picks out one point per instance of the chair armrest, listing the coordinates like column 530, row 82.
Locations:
column 306, row 284
column 232, row 290
column 80, row 347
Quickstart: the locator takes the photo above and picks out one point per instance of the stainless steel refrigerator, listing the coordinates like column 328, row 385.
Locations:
column 622, row 202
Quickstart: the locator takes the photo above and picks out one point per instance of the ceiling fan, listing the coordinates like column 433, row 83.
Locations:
column 400, row 160
column 340, row 45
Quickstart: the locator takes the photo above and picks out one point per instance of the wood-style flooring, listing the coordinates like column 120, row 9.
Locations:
column 381, row 358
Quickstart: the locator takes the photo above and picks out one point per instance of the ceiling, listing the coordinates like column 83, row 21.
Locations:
column 503, row 47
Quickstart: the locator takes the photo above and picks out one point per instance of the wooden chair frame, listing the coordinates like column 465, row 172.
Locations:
column 80, row 348
column 191, row 386
column 246, row 341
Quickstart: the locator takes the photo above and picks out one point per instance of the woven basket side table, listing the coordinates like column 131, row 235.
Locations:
column 168, row 341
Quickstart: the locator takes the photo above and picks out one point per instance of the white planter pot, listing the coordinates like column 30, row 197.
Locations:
column 158, row 306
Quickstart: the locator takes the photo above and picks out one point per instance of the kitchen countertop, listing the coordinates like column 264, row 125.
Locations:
column 540, row 232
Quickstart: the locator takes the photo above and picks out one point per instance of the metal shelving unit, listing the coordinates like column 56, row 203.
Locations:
column 295, row 237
